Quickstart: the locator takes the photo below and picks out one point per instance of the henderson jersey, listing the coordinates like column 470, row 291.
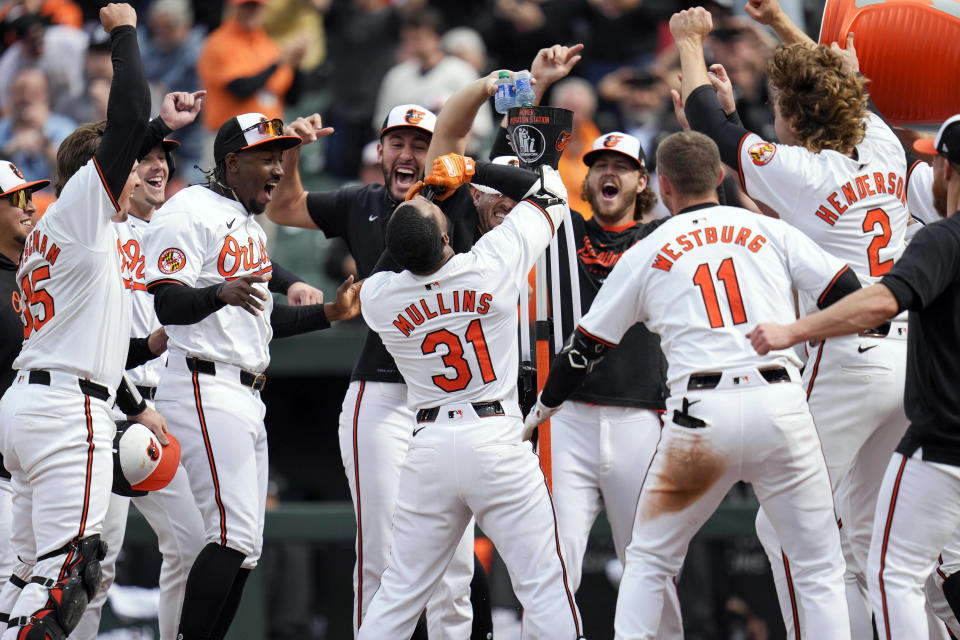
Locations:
column 75, row 310
column 453, row 333
column 143, row 317
column 199, row 238
column 705, row 278
column 855, row 209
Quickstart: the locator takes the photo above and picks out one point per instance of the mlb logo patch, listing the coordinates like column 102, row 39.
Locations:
column 456, row 414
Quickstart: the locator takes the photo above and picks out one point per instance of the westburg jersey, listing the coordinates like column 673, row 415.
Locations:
column 705, row 278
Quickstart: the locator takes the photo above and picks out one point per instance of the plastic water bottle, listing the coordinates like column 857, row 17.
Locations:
column 504, row 100
column 525, row 94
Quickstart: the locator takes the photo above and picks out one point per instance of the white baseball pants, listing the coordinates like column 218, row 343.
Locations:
column 375, row 432
column 223, row 445
column 854, row 387
column 918, row 513
column 457, row 467
column 599, row 456
column 757, row 432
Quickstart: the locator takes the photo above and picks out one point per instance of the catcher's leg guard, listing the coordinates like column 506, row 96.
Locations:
column 69, row 594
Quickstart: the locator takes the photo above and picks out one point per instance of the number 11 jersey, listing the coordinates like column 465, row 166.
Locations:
column 705, row 278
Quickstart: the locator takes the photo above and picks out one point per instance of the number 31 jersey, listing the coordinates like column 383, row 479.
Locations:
column 705, row 278
column 854, row 208
column 453, row 333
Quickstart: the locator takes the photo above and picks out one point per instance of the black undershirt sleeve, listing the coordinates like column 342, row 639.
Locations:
column 128, row 110
column 571, row 367
column 281, row 279
column 706, row 116
column 129, row 399
column 157, row 130
column 180, row 304
column 294, row 93
column 288, row 320
column 513, row 182
column 845, row 283
column 138, row 353
column 249, row 85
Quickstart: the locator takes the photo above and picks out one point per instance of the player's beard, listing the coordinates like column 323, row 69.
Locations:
column 254, row 207
column 624, row 202
column 939, row 195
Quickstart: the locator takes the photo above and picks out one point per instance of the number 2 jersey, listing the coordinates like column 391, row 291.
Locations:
column 705, row 278
column 854, row 208
column 74, row 305
column 453, row 333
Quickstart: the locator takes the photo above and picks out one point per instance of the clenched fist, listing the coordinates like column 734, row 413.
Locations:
column 691, row 23
column 117, row 14
column 451, row 171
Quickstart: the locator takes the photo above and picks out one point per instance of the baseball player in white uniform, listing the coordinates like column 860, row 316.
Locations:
column 56, row 422
column 697, row 281
column 917, row 511
column 205, row 251
column 844, row 186
column 450, row 322
column 171, row 511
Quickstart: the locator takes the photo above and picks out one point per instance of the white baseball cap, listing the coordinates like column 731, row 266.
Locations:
column 409, row 115
column 947, row 142
column 619, row 142
column 12, row 180
column 513, row 161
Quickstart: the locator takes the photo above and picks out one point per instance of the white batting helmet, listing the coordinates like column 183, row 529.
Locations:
column 144, row 463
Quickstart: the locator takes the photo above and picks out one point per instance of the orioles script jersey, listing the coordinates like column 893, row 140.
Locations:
column 200, row 238
column 453, row 333
column 705, row 278
column 73, row 304
column 143, row 319
column 854, row 208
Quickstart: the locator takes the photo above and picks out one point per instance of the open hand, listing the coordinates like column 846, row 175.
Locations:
column 347, row 303
column 242, row 293
column 309, row 128
column 554, row 63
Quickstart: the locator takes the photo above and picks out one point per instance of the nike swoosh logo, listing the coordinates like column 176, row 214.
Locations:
column 230, row 224
column 862, row 349
column 416, row 431
column 372, row 218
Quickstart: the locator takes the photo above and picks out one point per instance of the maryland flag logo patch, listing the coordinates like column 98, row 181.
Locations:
column 761, row 153
column 172, row 260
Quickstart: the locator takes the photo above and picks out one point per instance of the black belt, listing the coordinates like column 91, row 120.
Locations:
column 700, row 381
column 255, row 381
column 98, row 391
column 147, row 392
column 483, row 409
column 877, row 332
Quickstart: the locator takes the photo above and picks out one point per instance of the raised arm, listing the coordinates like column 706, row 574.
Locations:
column 770, row 13
column 128, row 107
column 456, row 117
column 288, row 205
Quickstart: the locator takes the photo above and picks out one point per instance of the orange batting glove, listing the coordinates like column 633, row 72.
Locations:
column 414, row 190
column 451, row 172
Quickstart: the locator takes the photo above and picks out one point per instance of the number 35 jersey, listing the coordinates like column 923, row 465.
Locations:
column 453, row 333
column 73, row 303
column 854, row 208
column 705, row 278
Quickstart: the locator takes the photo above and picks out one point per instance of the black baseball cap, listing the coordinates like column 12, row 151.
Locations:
column 947, row 142
column 249, row 130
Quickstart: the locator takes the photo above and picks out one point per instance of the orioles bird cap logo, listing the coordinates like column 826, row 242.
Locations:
column 152, row 452
column 563, row 139
column 612, row 140
column 513, row 163
column 413, row 116
column 15, row 171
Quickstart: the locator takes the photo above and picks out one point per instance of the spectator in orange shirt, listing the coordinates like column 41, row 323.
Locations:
column 244, row 71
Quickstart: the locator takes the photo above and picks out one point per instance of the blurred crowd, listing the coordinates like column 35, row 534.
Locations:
column 354, row 59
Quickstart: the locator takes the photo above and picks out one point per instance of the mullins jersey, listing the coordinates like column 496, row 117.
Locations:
column 143, row 317
column 73, row 304
column 453, row 333
column 199, row 238
column 854, row 208
column 705, row 278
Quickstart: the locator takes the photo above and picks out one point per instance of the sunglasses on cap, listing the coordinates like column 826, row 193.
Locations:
column 20, row 199
column 269, row 128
